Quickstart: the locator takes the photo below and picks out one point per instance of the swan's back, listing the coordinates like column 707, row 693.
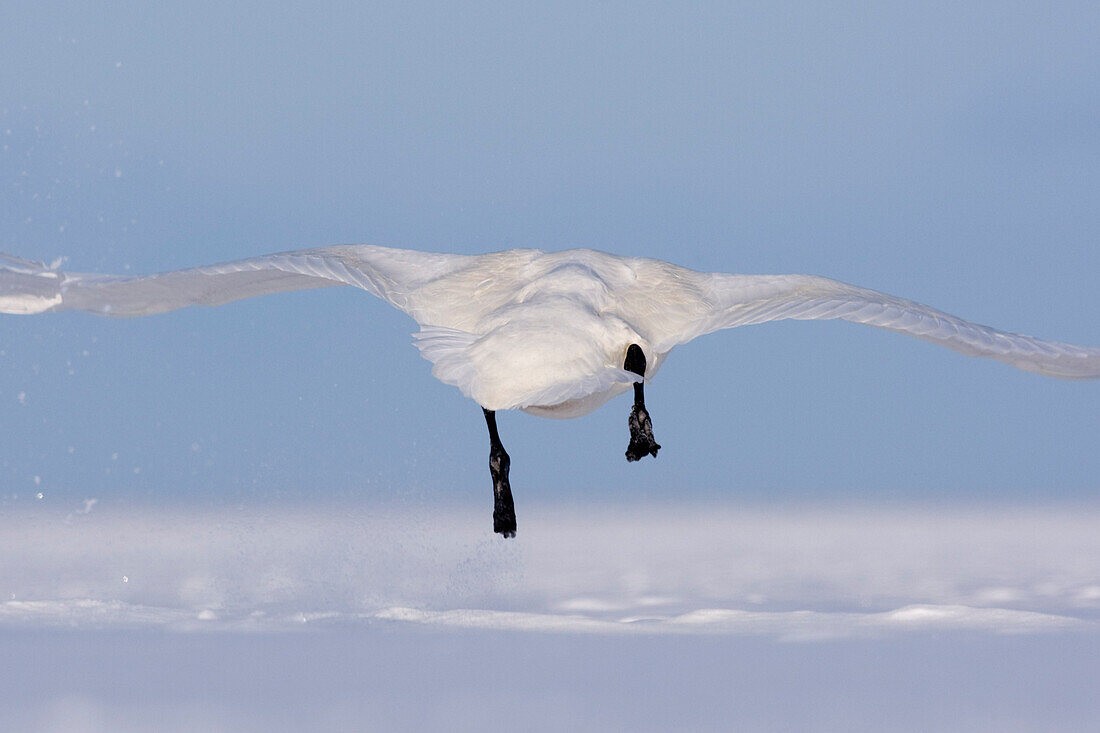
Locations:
column 656, row 299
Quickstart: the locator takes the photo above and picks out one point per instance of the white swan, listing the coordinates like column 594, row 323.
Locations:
column 555, row 334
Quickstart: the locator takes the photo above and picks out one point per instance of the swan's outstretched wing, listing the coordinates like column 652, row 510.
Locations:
column 741, row 300
column 30, row 287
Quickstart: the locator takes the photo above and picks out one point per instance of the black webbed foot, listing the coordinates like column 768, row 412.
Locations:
column 504, row 510
column 642, row 443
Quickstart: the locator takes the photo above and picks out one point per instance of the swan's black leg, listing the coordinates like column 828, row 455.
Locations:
column 504, row 511
column 641, row 427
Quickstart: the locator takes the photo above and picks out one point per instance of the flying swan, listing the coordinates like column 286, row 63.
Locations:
column 555, row 334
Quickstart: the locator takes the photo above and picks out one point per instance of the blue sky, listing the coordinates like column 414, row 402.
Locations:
column 942, row 153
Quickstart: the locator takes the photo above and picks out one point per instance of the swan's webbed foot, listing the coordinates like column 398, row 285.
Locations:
column 642, row 443
column 504, row 510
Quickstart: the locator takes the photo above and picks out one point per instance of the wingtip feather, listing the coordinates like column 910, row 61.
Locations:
column 28, row 287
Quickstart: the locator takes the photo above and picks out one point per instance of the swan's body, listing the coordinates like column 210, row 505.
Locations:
column 543, row 332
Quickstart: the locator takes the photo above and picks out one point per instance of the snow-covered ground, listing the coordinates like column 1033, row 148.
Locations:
column 344, row 616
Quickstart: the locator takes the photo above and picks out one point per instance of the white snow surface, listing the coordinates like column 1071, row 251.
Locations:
column 283, row 617
column 801, row 573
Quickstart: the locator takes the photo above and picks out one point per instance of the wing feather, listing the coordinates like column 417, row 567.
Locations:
column 741, row 300
column 33, row 287
column 668, row 304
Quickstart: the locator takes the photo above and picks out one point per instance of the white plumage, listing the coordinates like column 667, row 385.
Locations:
column 544, row 332
column 555, row 334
